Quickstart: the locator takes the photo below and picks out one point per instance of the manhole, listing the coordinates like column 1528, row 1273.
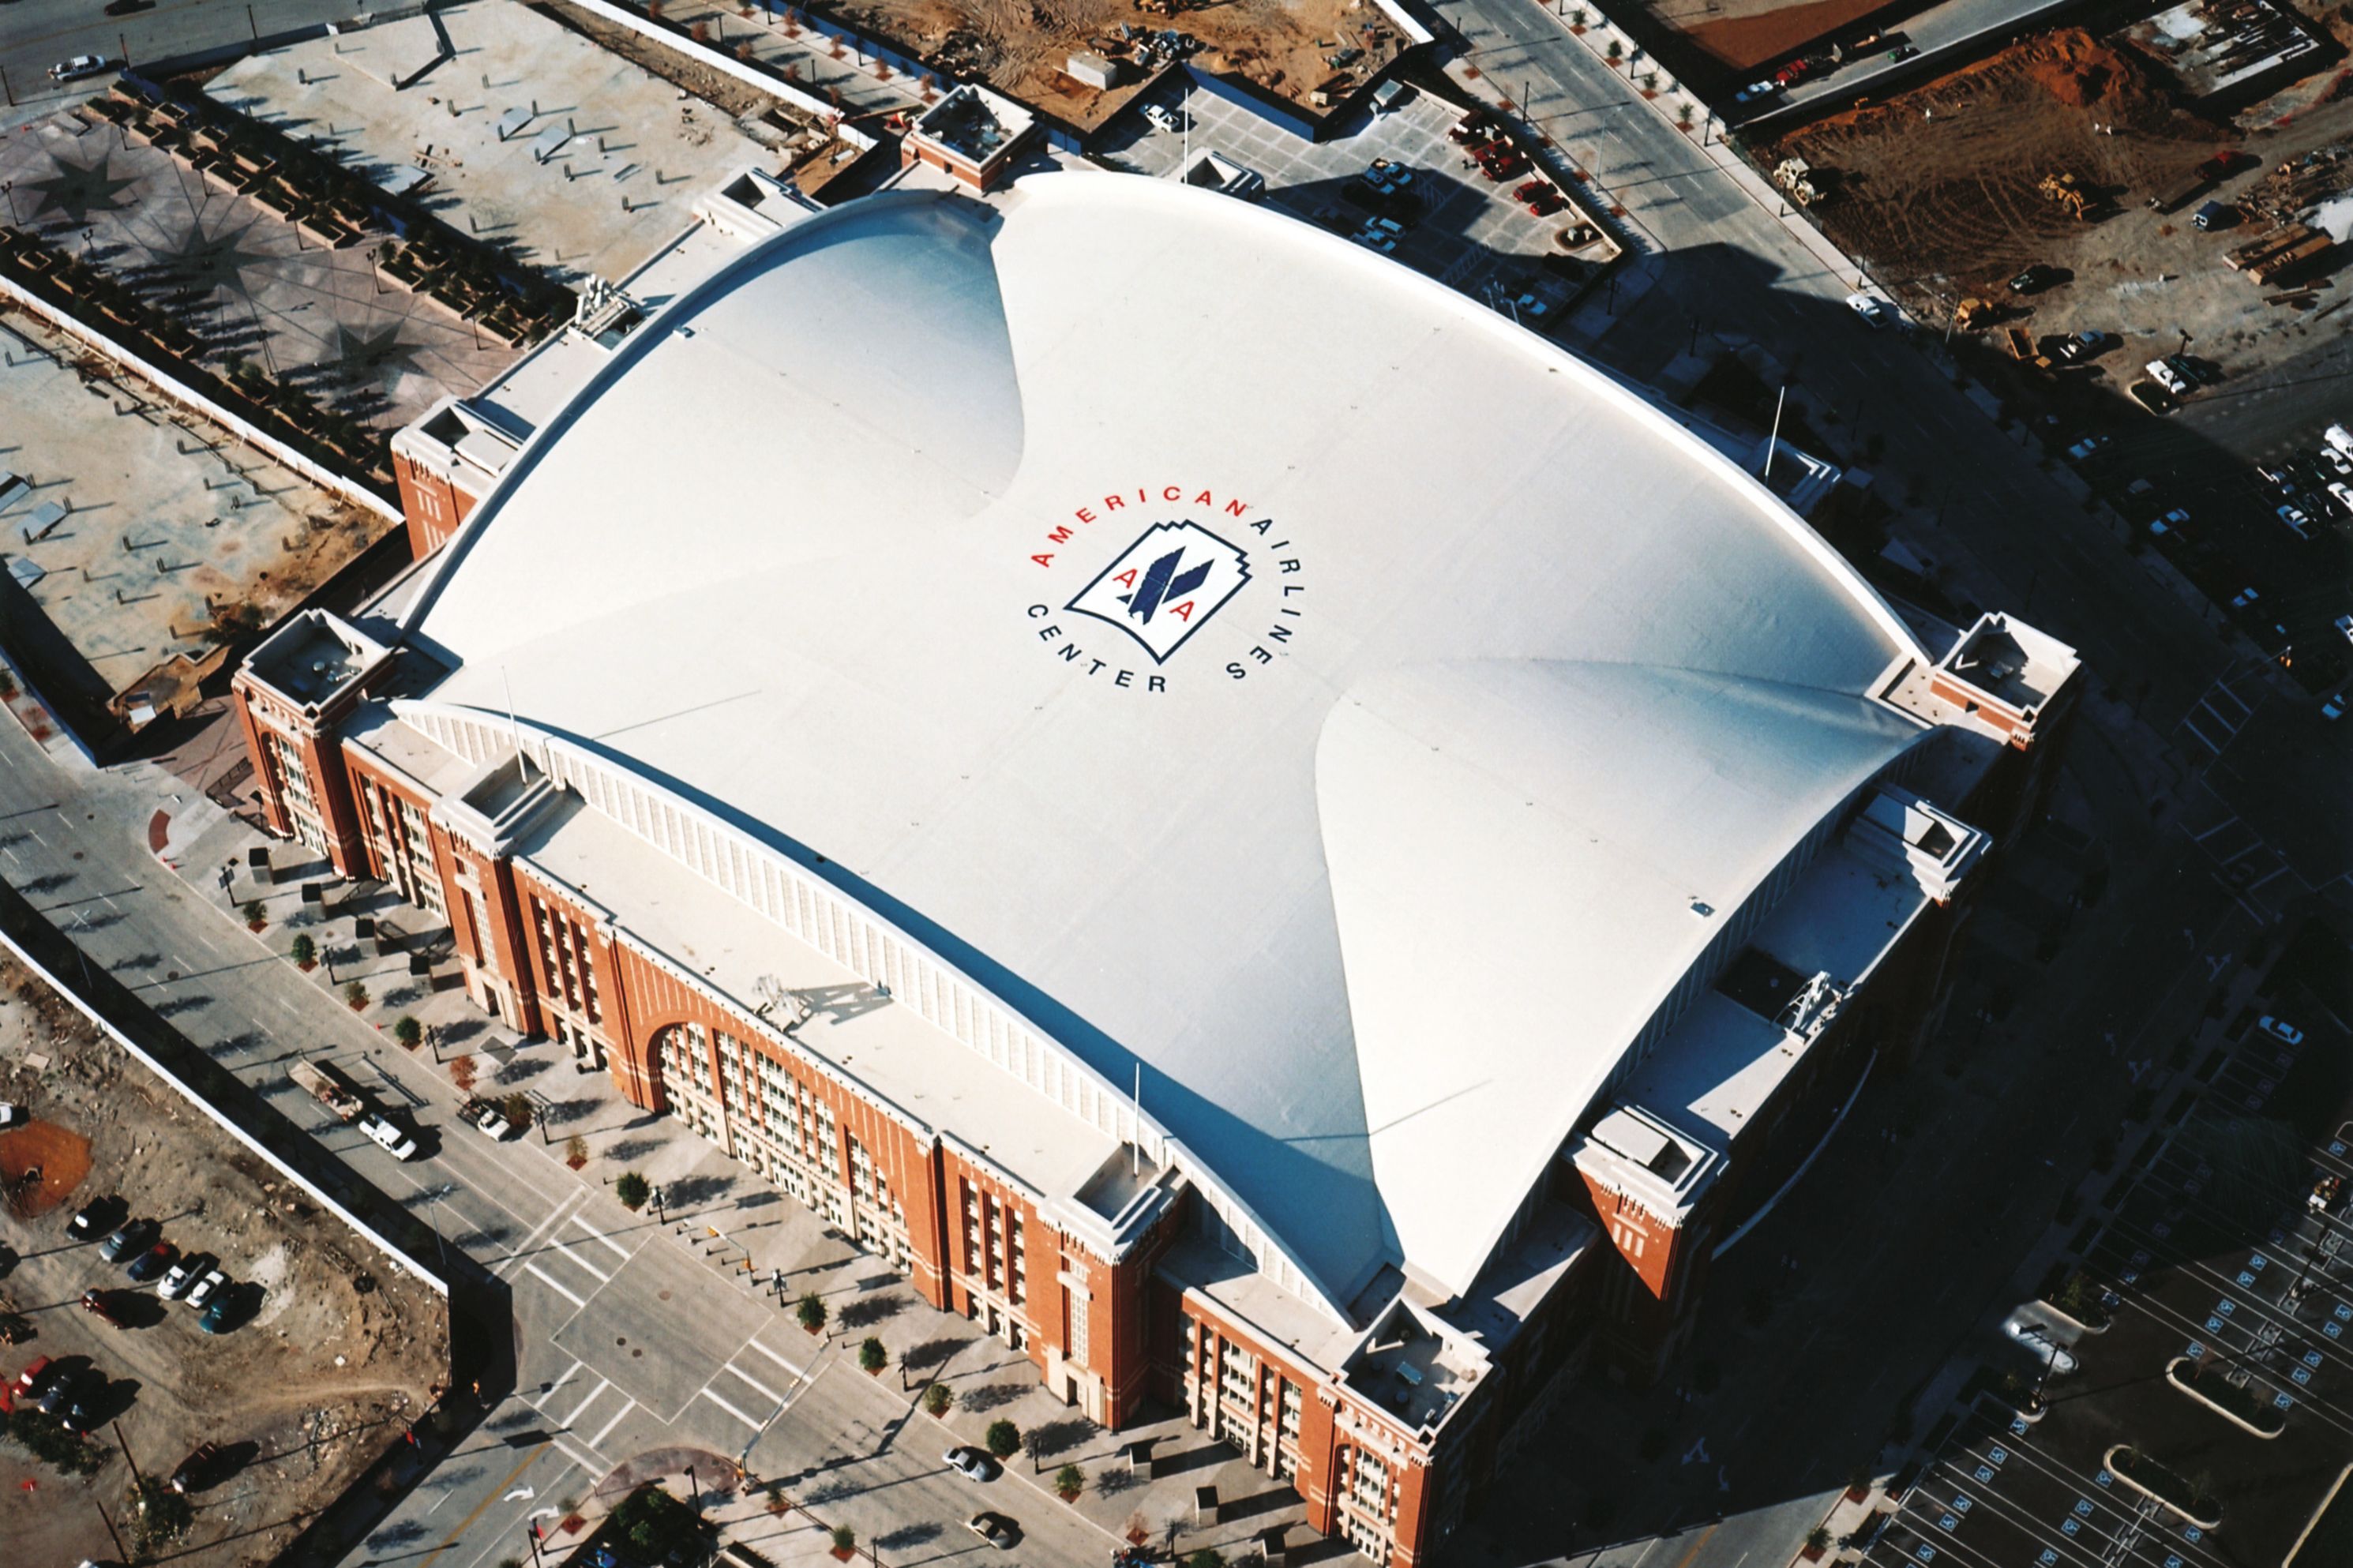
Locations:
column 621, row 1338
column 171, row 974
column 634, row 1354
column 663, row 1294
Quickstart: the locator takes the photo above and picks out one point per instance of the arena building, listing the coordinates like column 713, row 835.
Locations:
column 1285, row 846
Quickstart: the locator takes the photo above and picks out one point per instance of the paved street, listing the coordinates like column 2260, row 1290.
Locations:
column 644, row 1344
column 37, row 34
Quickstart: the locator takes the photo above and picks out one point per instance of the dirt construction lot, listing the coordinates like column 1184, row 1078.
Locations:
column 328, row 1353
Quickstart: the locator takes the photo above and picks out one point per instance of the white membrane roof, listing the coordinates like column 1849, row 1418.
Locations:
column 1245, row 656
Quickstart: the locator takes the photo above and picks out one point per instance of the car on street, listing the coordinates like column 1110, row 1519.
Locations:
column 2280, row 1029
column 152, row 1263
column 996, row 1529
column 970, row 1463
column 2043, row 1342
column 2034, row 279
column 1756, row 91
column 2165, row 377
column 387, row 1136
column 78, row 66
column 96, row 1218
column 2299, row 522
column 205, row 1288
column 1875, row 311
column 490, row 1119
column 130, row 1239
column 2086, row 448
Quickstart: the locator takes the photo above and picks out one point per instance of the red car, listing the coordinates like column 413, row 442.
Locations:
column 36, row 1374
column 1794, row 72
column 101, row 1302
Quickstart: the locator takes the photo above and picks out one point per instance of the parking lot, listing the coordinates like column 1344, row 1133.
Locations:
column 1470, row 233
column 2212, row 1265
column 320, row 1357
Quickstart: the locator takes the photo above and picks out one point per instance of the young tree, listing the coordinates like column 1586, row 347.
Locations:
column 1003, row 1438
column 408, row 1031
column 355, row 995
column 1208, row 1557
column 1069, row 1481
column 576, row 1151
column 632, row 1190
column 810, row 1313
column 939, row 1399
column 516, row 1108
column 303, row 950
column 255, row 915
column 461, row 1073
column 871, row 1357
column 845, row 1540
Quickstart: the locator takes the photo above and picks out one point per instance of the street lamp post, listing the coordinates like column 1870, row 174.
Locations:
column 697, row 1486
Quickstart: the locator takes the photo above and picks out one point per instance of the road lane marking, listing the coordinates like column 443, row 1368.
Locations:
column 755, row 1381
column 594, row 1395
column 628, row 1405
column 757, row 1345
column 488, row 1498
column 618, row 1250
column 549, row 1280
column 570, row 1372
column 577, row 1259
column 705, row 1392
column 594, row 1464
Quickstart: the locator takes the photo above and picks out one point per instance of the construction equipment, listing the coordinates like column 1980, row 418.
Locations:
column 1795, row 177
column 1971, row 314
column 2069, row 191
column 2022, row 348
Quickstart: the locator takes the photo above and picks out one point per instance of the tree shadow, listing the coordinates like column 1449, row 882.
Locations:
column 989, row 1395
column 873, row 1309
column 930, row 1353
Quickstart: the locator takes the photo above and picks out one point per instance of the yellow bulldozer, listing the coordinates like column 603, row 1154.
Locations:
column 1974, row 313
column 2069, row 191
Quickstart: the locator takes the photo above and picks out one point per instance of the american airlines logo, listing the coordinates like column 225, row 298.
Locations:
column 1165, row 587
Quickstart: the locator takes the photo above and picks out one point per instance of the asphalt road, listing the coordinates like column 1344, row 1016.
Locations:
column 37, row 34
column 627, row 1342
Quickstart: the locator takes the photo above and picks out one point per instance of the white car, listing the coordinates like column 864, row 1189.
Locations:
column 2342, row 494
column 2086, row 448
column 1875, row 311
column 2298, row 522
column 2165, row 377
column 2280, row 1029
column 388, row 1138
column 970, row 1463
column 175, row 1284
column 77, row 67
column 12, row 1115
column 494, row 1125
column 996, row 1529
column 2344, row 624
column 2043, row 1342
column 204, row 1289
column 1163, row 118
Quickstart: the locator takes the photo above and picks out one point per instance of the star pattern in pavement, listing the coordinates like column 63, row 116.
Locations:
column 361, row 354
column 77, row 190
column 203, row 262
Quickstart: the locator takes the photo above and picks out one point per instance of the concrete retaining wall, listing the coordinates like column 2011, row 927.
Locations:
column 749, row 75
column 171, row 387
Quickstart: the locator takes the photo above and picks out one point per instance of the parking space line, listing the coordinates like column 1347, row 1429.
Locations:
column 550, row 1282
column 705, row 1392
column 627, row 1405
column 755, row 1381
column 594, row 1464
column 594, row 1395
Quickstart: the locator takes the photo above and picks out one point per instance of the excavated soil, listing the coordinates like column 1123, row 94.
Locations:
column 1939, row 183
